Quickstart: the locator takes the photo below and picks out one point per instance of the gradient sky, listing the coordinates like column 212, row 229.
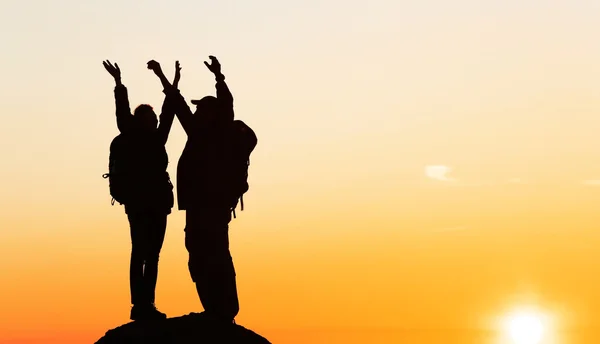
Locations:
column 427, row 164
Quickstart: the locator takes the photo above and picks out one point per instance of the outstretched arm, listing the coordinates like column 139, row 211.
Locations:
column 178, row 104
column 223, row 94
column 123, row 111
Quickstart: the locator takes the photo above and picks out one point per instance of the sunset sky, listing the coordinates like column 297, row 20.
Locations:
column 421, row 164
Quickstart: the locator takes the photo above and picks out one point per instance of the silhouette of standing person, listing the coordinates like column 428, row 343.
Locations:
column 208, row 188
column 139, row 178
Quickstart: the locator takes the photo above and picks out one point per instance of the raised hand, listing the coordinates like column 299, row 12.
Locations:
column 115, row 71
column 215, row 66
column 154, row 66
column 177, row 74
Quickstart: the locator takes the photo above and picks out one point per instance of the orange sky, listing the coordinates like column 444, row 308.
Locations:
column 420, row 165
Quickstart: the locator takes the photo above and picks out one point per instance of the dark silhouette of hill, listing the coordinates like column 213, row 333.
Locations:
column 194, row 328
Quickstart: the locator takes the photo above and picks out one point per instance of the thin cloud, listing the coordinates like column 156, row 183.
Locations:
column 592, row 182
column 439, row 172
column 515, row 181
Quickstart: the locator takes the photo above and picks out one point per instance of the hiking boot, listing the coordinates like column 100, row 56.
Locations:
column 154, row 314
column 136, row 313
column 146, row 312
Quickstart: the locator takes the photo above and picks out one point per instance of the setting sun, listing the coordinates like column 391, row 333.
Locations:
column 426, row 172
column 525, row 328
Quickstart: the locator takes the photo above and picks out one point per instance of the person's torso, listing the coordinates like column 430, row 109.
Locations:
column 204, row 168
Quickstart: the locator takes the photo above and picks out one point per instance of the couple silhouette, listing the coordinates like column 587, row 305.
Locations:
column 212, row 177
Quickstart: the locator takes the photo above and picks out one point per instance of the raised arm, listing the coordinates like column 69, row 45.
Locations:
column 168, row 112
column 177, row 75
column 177, row 102
column 123, row 111
column 166, row 120
column 223, row 94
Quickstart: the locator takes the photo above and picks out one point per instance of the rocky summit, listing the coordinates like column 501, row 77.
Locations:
column 194, row 328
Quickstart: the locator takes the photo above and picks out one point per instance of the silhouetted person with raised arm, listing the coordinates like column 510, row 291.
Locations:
column 139, row 180
column 211, row 178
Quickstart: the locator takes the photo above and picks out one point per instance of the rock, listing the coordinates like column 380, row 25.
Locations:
column 194, row 328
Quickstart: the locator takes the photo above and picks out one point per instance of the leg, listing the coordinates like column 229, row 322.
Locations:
column 194, row 248
column 156, row 236
column 149, row 235
column 211, row 265
column 136, row 264
column 222, row 274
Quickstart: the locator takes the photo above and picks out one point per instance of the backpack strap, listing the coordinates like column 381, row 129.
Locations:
column 242, row 206
column 106, row 175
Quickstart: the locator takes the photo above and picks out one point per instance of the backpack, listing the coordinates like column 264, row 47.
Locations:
column 128, row 176
column 243, row 141
column 119, row 169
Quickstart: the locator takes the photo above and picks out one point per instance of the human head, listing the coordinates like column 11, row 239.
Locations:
column 145, row 117
column 207, row 109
